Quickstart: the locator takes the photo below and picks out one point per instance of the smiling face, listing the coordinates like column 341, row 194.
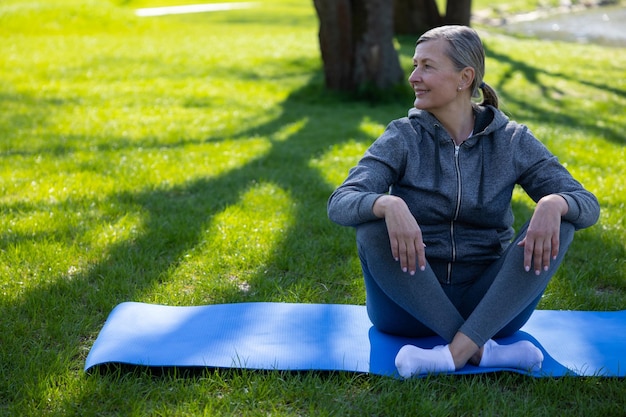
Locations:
column 435, row 80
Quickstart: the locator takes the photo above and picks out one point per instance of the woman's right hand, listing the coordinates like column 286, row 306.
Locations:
column 405, row 235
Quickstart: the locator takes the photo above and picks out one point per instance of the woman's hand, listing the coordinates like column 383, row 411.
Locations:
column 542, row 237
column 405, row 235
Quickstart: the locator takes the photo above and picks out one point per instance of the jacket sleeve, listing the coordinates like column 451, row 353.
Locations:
column 541, row 174
column 383, row 163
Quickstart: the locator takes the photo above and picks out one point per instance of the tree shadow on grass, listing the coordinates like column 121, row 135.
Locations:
column 552, row 114
column 175, row 218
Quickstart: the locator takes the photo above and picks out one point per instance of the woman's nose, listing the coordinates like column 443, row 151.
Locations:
column 414, row 76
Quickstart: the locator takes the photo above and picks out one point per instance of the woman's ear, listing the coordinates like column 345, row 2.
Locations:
column 467, row 77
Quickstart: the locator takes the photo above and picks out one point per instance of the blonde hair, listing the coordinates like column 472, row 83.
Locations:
column 465, row 50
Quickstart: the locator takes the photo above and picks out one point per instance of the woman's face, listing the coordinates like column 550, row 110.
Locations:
column 434, row 78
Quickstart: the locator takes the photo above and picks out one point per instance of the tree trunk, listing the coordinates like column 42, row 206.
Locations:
column 356, row 42
column 458, row 12
column 335, row 36
column 414, row 17
column 376, row 59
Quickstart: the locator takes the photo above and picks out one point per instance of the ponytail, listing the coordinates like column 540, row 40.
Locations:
column 489, row 95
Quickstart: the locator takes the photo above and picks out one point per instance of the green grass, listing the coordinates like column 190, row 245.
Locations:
column 187, row 160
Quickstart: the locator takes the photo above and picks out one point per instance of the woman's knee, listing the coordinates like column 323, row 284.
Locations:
column 567, row 234
column 388, row 317
column 372, row 238
column 371, row 231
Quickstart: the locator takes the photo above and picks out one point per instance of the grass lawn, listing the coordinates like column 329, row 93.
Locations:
column 187, row 160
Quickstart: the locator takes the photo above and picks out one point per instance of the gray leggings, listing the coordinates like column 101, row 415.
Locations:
column 482, row 301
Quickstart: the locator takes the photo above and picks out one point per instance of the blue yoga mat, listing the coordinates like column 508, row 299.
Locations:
column 331, row 337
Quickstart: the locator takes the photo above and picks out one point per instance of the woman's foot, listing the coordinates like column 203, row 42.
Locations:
column 412, row 360
column 519, row 355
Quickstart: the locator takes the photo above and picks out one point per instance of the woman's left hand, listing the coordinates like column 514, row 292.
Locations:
column 541, row 243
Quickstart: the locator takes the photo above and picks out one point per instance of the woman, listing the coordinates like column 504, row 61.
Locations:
column 431, row 201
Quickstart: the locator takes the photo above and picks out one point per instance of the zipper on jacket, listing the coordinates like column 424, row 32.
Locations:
column 456, row 210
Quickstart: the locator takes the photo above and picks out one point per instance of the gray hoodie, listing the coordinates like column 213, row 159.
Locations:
column 459, row 195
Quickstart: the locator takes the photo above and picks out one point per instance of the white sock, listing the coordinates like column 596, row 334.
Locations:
column 519, row 355
column 412, row 360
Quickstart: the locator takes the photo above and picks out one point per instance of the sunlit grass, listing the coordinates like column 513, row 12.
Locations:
column 187, row 160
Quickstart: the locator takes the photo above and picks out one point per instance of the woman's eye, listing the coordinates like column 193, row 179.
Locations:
column 423, row 67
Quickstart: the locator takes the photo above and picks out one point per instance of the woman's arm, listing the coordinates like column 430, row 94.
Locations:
column 383, row 163
column 541, row 243
column 405, row 235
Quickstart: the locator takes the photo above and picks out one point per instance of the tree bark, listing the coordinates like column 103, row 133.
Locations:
column 336, row 40
column 458, row 12
column 356, row 42
column 376, row 59
column 414, row 17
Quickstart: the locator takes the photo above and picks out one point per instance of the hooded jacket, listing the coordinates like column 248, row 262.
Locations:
column 459, row 195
